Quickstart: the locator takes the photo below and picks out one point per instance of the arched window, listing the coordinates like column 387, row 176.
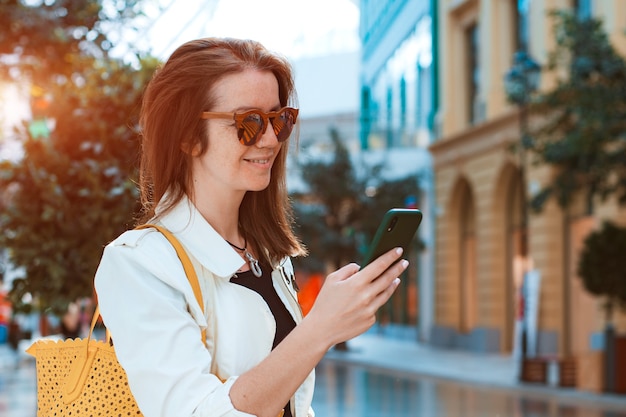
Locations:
column 517, row 248
column 468, row 259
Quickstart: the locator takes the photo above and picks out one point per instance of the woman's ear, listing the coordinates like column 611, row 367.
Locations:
column 190, row 148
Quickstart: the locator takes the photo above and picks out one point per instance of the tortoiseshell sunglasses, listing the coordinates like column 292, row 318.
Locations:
column 252, row 124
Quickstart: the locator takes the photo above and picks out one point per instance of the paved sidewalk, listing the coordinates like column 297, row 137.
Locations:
column 489, row 370
column 399, row 356
column 18, row 386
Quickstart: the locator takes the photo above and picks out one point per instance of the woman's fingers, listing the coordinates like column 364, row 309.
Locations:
column 347, row 303
column 344, row 272
column 378, row 275
column 382, row 263
column 372, row 271
column 384, row 295
column 383, row 286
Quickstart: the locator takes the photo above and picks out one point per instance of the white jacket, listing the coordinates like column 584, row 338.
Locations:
column 148, row 305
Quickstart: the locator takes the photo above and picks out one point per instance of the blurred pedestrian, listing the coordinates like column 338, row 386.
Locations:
column 215, row 123
column 14, row 333
column 71, row 322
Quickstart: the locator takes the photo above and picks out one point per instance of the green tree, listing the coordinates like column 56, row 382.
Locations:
column 44, row 38
column 331, row 208
column 582, row 132
column 602, row 267
column 343, row 204
column 73, row 191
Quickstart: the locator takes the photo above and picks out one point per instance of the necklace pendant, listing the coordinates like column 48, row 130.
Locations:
column 254, row 265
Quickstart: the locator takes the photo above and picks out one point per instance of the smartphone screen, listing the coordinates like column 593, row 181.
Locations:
column 396, row 229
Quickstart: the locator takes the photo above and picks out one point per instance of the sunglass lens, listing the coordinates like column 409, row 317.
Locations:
column 250, row 129
column 283, row 125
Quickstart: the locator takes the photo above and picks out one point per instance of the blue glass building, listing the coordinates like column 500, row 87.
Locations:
column 398, row 104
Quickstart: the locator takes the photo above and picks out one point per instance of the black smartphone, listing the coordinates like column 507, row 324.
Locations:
column 395, row 230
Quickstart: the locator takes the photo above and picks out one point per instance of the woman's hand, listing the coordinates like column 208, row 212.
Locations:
column 347, row 303
column 345, row 307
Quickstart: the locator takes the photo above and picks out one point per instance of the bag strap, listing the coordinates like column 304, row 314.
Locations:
column 190, row 271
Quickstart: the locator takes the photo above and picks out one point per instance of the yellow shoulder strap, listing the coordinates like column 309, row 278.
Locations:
column 190, row 271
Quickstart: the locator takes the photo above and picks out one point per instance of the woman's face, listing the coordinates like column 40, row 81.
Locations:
column 229, row 168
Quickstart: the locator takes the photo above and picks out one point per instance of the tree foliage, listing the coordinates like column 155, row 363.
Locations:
column 602, row 266
column 45, row 37
column 336, row 218
column 328, row 224
column 582, row 132
column 73, row 190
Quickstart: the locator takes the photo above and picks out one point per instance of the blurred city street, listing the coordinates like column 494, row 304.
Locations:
column 501, row 121
column 18, row 384
column 383, row 377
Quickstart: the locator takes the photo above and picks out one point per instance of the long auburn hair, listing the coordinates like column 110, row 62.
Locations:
column 170, row 122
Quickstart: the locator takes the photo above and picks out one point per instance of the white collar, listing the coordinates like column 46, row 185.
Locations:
column 201, row 240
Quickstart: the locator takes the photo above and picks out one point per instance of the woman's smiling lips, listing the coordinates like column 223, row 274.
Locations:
column 266, row 160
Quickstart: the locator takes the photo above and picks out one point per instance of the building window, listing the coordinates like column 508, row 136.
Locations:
column 389, row 117
column 473, row 74
column 366, row 116
column 402, row 103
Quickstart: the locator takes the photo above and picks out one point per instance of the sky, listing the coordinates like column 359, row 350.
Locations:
column 311, row 33
column 295, row 28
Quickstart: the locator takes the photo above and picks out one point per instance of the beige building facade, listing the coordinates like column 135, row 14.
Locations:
column 481, row 254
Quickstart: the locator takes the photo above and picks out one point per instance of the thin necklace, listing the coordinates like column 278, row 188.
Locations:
column 252, row 261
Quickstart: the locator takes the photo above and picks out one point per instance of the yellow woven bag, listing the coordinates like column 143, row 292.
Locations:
column 82, row 377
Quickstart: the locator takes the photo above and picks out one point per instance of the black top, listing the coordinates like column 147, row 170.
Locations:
column 264, row 287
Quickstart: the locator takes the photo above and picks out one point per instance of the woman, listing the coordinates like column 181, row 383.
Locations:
column 215, row 126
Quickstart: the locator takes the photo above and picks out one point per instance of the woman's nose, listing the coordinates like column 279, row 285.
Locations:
column 268, row 137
